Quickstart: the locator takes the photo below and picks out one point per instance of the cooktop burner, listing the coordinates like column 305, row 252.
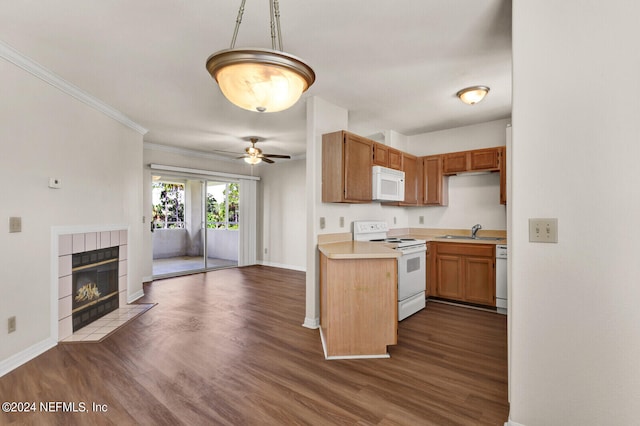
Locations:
column 376, row 231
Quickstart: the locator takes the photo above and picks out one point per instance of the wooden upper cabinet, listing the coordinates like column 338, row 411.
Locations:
column 484, row 159
column 411, row 176
column 454, row 162
column 380, row 155
column 386, row 156
column 396, row 159
column 434, row 184
column 347, row 160
column 503, row 175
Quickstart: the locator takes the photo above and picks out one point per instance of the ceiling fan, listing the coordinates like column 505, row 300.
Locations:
column 255, row 155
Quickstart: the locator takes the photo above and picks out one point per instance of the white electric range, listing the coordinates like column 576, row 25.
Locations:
column 412, row 275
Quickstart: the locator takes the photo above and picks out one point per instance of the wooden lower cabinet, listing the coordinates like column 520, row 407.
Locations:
column 449, row 276
column 465, row 272
column 358, row 306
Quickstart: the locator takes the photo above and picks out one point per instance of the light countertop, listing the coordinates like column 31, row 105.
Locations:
column 340, row 246
column 358, row 250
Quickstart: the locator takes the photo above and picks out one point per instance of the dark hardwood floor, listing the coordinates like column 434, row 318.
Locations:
column 227, row 348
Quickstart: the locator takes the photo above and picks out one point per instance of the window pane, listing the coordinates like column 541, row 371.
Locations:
column 168, row 205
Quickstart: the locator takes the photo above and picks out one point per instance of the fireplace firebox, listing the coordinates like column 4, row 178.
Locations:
column 95, row 285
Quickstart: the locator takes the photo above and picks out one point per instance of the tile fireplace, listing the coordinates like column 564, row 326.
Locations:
column 92, row 277
column 95, row 285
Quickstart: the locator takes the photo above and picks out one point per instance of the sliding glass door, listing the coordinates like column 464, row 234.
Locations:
column 222, row 224
column 195, row 225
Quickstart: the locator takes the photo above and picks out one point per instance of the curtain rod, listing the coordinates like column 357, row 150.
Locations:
column 200, row 172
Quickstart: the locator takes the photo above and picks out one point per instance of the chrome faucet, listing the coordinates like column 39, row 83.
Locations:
column 475, row 230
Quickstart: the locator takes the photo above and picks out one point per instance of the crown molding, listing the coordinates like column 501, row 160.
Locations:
column 10, row 54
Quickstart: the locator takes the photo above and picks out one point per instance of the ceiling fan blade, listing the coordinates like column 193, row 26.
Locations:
column 266, row 160
column 276, row 156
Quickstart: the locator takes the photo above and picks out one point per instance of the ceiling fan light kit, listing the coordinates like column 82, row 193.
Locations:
column 472, row 95
column 252, row 160
column 255, row 155
column 263, row 80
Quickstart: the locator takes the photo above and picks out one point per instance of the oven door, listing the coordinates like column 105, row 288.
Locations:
column 412, row 273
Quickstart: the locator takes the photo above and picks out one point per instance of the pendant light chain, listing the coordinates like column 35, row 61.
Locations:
column 238, row 22
column 276, row 33
column 275, row 11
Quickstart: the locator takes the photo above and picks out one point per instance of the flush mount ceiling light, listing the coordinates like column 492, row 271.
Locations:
column 263, row 80
column 472, row 95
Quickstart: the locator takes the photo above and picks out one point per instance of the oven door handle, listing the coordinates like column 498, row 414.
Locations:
column 412, row 250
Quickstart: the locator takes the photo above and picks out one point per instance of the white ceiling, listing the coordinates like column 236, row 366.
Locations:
column 393, row 65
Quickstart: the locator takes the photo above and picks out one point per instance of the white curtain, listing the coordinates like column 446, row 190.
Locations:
column 248, row 222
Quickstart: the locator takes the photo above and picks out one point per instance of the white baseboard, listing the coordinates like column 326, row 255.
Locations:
column 135, row 296
column 333, row 357
column 147, row 279
column 26, row 355
column 281, row 265
column 312, row 323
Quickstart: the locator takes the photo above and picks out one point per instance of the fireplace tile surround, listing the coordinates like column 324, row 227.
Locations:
column 69, row 244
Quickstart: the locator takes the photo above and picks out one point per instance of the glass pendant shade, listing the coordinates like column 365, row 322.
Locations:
column 473, row 95
column 252, row 160
column 260, row 79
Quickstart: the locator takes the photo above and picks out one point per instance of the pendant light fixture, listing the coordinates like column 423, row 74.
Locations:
column 472, row 95
column 263, row 80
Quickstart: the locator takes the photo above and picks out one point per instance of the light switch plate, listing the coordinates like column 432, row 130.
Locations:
column 322, row 223
column 15, row 224
column 543, row 230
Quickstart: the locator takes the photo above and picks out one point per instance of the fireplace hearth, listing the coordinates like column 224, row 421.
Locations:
column 95, row 285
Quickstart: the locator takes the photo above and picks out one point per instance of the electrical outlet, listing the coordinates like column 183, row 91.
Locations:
column 266, row 250
column 421, row 220
column 11, row 324
column 322, row 223
column 15, row 224
column 341, row 221
column 543, row 230
column 395, row 221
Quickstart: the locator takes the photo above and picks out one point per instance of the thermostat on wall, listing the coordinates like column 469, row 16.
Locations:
column 55, row 183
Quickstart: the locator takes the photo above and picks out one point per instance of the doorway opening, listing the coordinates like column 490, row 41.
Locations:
column 195, row 226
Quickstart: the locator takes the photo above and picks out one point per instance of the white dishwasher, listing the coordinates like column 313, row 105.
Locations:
column 501, row 278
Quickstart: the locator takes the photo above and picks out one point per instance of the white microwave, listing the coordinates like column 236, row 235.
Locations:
column 388, row 184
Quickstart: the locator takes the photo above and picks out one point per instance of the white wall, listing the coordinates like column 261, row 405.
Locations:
column 282, row 215
column 472, row 199
column 574, row 305
column 45, row 133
